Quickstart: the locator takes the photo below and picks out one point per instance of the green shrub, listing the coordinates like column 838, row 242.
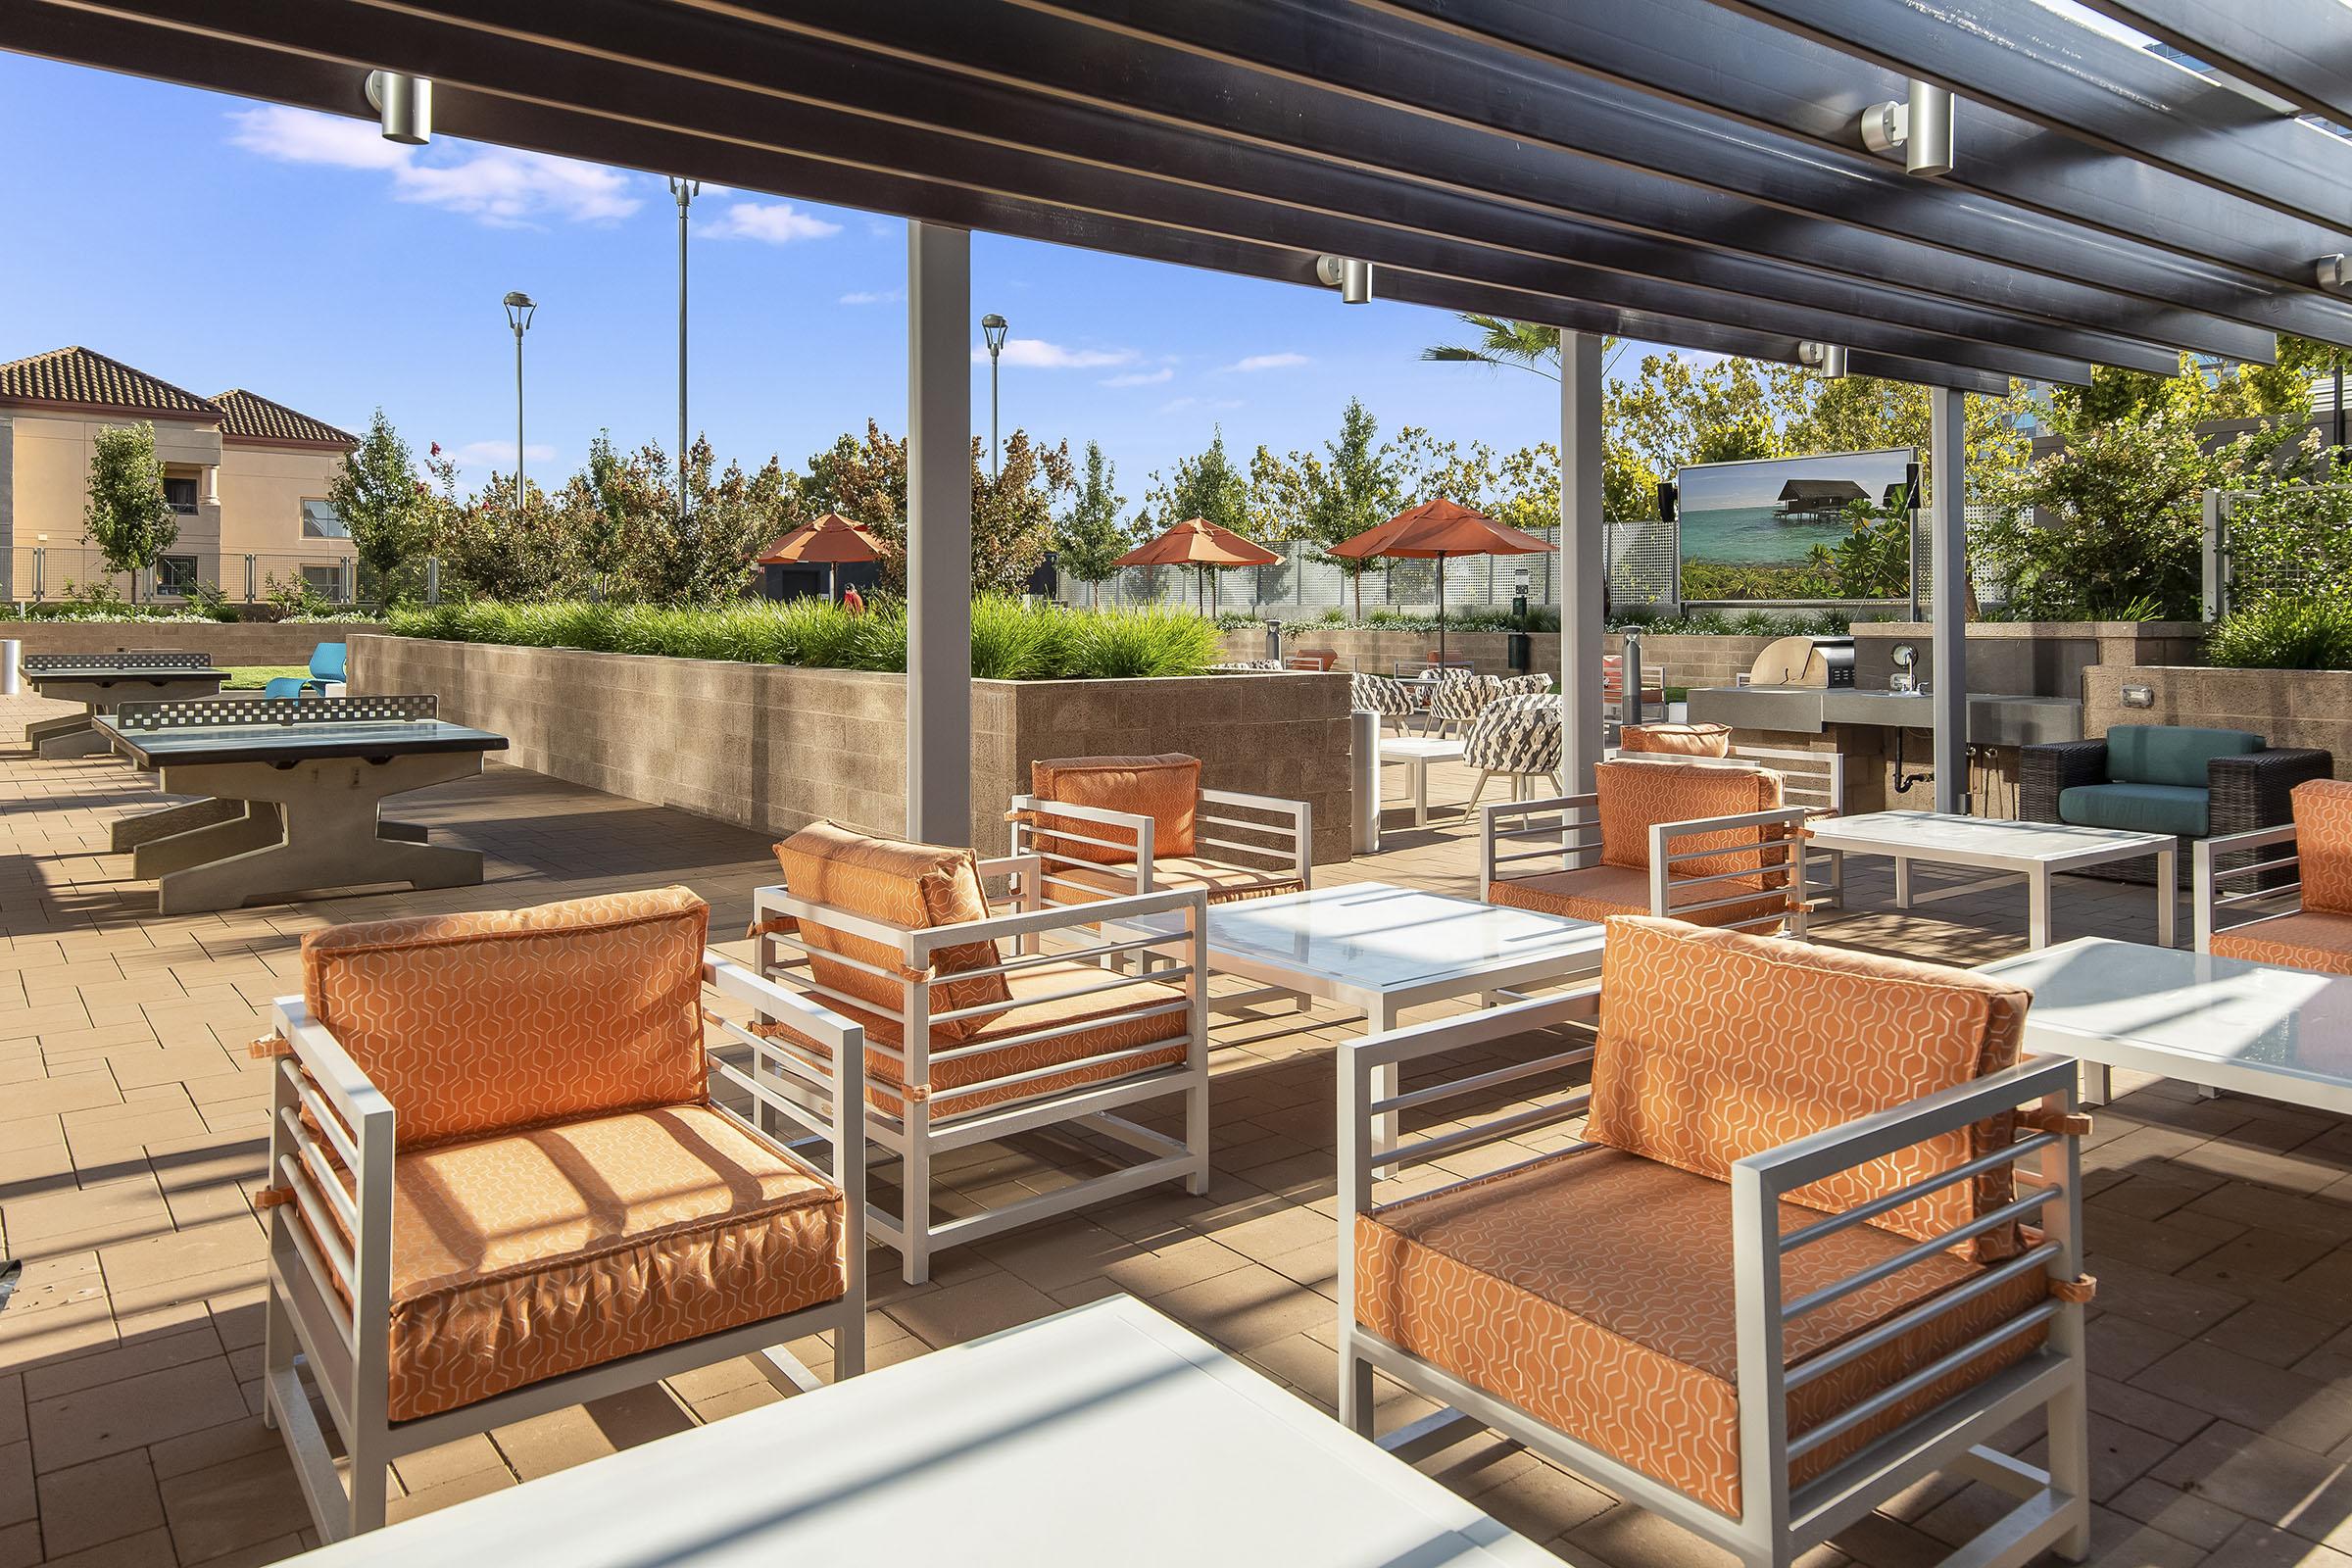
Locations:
column 1130, row 644
column 2285, row 634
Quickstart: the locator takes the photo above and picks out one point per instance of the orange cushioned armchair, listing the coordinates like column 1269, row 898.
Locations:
column 2301, row 871
column 1711, row 843
column 1791, row 1268
column 1105, row 826
column 504, row 1185
column 981, row 1023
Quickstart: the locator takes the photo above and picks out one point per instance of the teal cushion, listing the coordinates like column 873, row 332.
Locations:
column 2171, row 753
column 2136, row 808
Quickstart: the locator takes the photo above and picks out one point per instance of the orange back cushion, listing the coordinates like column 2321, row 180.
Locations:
column 1166, row 789
column 1635, row 796
column 477, row 1024
column 2323, row 844
column 1678, row 740
column 919, row 886
column 1715, row 1044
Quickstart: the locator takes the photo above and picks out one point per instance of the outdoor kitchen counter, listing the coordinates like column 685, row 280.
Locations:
column 1813, row 711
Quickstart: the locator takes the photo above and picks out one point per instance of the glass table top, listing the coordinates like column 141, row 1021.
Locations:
column 2190, row 1005
column 1926, row 832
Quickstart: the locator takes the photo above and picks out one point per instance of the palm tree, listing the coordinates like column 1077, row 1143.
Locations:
column 1529, row 346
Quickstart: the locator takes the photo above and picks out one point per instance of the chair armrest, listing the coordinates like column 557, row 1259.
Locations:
column 1027, row 829
column 2257, row 788
column 1663, row 882
column 1576, row 833
column 2044, row 772
column 1300, row 849
column 327, row 1118
column 823, row 1091
column 2269, row 875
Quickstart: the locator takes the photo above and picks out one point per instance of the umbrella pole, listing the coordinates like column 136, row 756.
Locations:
column 1441, row 609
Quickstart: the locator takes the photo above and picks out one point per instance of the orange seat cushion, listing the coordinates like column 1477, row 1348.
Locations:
column 1598, row 892
column 1166, row 789
column 2312, row 939
column 1714, row 1045
column 917, row 886
column 1594, row 1290
column 1678, row 740
column 1106, row 1021
column 1636, row 795
column 2323, row 844
column 527, row 1256
column 1083, row 884
column 472, row 1024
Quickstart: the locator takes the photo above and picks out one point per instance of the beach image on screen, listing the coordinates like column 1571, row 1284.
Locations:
column 1772, row 512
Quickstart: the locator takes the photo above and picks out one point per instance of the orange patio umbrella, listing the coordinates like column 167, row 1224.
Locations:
column 1434, row 530
column 1200, row 543
column 831, row 539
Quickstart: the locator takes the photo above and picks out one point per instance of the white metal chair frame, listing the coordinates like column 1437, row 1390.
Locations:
column 1777, row 1523
column 306, row 1313
column 1567, row 831
column 2207, row 874
column 1814, row 780
column 1286, row 827
column 1091, row 933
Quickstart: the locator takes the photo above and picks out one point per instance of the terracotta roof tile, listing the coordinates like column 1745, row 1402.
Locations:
column 249, row 414
column 80, row 376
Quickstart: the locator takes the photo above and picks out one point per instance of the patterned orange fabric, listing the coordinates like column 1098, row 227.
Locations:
column 918, row 886
column 1714, row 1045
column 1083, row 884
column 2323, row 844
column 1166, row 789
column 522, row 1258
column 1034, row 1007
column 505, row 1020
column 1597, row 892
column 2309, row 940
column 1678, row 740
column 1594, row 1290
column 1636, row 795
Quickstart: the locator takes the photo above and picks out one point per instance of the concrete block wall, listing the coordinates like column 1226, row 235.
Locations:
column 254, row 642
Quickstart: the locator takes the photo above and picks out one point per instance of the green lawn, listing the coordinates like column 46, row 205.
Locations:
column 252, row 677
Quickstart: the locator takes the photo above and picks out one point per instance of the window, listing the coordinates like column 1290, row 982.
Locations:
column 180, row 494
column 322, row 521
column 175, row 575
column 326, row 582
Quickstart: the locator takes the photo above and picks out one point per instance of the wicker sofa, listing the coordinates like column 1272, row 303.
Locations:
column 2163, row 778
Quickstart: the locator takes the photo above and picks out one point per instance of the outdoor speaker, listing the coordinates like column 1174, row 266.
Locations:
column 1670, row 497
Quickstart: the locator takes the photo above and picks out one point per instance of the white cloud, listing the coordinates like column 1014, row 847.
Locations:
column 1179, row 404
column 496, row 185
column 874, row 296
column 500, row 455
column 1141, row 377
column 1036, row 354
column 1268, row 361
column 770, row 222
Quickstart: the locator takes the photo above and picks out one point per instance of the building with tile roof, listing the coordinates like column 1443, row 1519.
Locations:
column 246, row 474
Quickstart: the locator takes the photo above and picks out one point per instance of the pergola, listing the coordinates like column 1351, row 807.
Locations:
column 1688, row 172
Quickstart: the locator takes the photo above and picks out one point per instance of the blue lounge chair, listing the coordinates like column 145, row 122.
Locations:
column 326, row 664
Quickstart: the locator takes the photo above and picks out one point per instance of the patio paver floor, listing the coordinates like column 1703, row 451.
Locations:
column 132, row 1138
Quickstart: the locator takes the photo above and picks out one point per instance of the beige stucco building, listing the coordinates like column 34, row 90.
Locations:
column 247, row 478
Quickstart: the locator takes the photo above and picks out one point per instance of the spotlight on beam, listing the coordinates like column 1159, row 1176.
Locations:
column 1827, row 358
column 1921, row 129
column 2335, row 273
column 404, row 105
column 1351, row 278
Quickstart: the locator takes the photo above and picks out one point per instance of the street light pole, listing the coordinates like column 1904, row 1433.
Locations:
column 993, row 327
column 521, row 308
column 685, row 190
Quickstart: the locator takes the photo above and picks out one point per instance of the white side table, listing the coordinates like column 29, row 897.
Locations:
column 1416, row 753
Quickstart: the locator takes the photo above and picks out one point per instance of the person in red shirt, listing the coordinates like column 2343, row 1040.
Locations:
column 852, row 602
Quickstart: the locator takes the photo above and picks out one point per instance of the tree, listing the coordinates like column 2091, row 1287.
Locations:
column 1323, row 499
column 1012, row 511
column 1091, row 536
column 381, row 501
column 126, row 515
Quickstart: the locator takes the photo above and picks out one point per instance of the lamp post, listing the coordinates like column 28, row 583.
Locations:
column 685, row 190
column 521, row 308
column 993, row 327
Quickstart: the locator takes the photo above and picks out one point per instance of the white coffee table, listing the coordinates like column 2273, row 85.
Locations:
column 2222, row 1023
column 2035, row 850
column 1107, row 1435
column 1417, row 751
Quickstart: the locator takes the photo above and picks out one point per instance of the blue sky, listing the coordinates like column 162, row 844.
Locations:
column 216, row 243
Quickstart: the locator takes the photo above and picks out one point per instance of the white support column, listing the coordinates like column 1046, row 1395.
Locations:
column 1582, row 568
column 1947, row 559
column 939, row 534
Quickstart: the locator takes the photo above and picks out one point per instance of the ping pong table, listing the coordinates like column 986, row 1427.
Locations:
column 103, row 682
column 291, row 794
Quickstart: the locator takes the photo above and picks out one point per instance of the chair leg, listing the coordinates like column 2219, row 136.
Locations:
column 1356, row 1387
column 1476, row 791
column 370, row 1474
column 914, row 1194
column 277, row 1347
column 1196, row 1135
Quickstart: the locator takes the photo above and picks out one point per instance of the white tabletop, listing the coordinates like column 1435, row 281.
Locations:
column 1938, row 835
column 1429, row 747
column 2284, row 1034
column 1107, row 1435
column 1374, row 937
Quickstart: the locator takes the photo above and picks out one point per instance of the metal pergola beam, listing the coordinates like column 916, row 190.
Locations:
column 2300, row 50
column 492, row 63
column 1696, row 54
column 1786, row 184
column 254, row 71
column 2031, row 62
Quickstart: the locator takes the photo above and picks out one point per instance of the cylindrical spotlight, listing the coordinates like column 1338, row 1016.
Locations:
column 1351, row 278
column 404, row 105
column 1827, row 358
column 1928, row 139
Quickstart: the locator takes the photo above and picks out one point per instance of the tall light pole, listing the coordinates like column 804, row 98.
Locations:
column 685, row 190
column 521, row 308
column 993, row 327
